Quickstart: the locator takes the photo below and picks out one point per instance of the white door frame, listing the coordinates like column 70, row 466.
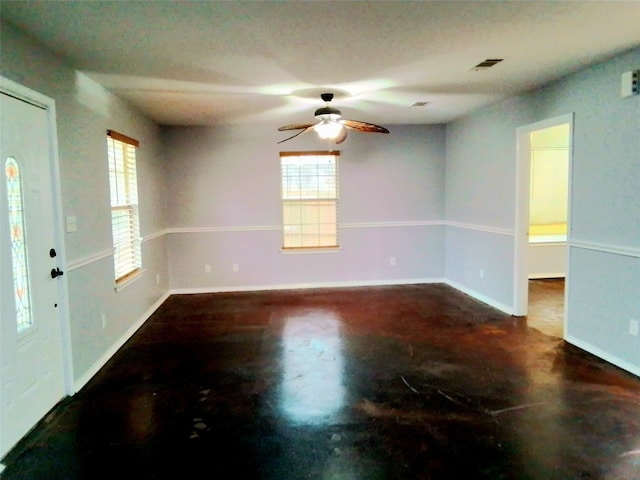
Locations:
column 30, row 96
column 521, row 237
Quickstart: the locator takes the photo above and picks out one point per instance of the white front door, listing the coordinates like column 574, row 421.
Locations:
column 31, row 359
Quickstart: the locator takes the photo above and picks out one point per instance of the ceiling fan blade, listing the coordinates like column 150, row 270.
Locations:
column 342, row 136
column 299, row 126
column 364, row 126
column 310, row 127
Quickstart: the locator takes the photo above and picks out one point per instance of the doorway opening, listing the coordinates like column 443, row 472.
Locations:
column 542, row 223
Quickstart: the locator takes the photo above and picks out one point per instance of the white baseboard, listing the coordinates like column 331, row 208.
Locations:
column 298, row 286
column 629, row 367
column 480, row 297
column 82, row 381
column 355, row 283
column 537, row 276
column 106, row 356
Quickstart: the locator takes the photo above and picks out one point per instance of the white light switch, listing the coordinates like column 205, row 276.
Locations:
column 72, row 225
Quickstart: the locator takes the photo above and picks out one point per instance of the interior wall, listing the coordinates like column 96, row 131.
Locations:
column 604, row 239
column 480, row 193
column 547, row 259
column 225, row 209
column 221, row 188
column 604, row 201
column 85, row 111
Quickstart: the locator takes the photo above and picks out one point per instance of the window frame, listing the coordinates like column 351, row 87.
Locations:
column 287, row 247
column 126, row 201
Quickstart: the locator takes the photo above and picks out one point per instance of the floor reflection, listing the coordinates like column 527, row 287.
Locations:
column 312, row 383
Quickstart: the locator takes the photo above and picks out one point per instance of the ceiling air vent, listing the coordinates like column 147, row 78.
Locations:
column 488, row 63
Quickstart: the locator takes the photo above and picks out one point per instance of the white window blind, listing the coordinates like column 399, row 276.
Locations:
column 125, row 223
column 309, row 199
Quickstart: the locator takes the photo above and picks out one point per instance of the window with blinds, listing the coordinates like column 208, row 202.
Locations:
column 309, row 199
column 125, row 223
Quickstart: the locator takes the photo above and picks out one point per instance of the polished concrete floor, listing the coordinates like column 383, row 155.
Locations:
column 410, row 382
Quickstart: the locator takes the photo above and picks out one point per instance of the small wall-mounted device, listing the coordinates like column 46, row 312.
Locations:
column 630, row 84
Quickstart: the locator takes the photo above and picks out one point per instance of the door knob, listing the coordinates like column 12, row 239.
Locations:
column 56, row 272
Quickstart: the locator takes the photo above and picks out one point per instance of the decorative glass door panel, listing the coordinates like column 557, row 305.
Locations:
column 19, row 258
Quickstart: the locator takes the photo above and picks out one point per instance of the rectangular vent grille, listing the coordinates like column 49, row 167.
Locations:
column 488, row 63
column 420, row 104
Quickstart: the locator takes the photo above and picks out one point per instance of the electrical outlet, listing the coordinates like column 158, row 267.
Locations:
column 207, row 268
column 634, row 326
column 235, row 267
column 157, row 279
column 104, row 320
column 482, row 273
column 392, row 261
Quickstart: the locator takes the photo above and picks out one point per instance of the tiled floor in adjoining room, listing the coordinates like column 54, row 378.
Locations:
column 407, row 382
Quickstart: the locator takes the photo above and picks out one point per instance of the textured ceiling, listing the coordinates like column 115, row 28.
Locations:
column 207, row 63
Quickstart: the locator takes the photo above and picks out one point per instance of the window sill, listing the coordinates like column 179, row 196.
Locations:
column 304, row 251
column 129, row 280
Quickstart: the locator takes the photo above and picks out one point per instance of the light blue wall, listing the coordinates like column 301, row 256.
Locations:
column 85, row 110
column 480, row 200
column 441, row 200
column 604, row 275
column 605, row 203
column 226, row 209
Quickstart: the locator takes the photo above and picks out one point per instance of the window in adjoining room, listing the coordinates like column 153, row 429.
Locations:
column 125, row 222
column 309, row 199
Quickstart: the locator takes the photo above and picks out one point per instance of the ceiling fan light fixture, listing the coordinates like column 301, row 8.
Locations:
column 327, row 129
column 330, row 126
column 328, row 117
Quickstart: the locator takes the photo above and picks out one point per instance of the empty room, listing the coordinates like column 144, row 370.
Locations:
column 320, row 240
